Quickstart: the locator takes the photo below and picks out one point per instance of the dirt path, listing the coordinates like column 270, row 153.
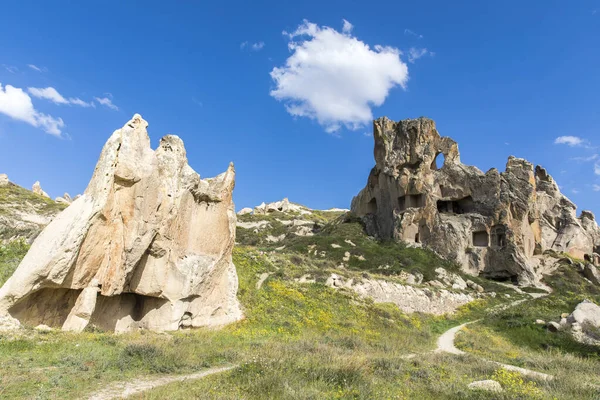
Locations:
column 121, row 390
column 445, row 344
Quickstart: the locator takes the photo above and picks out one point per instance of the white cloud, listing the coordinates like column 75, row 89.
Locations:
column 252, row 46
column 335, row 78
column 105, row 101
column 48, row 93
column 569, row 140
column 52, row 94
column 414, row 54
column 575, row 191
column 347, row 27
column 411, row 33
column 36, row 68
column 597, row 169
column 17, row 104
column 596, row 187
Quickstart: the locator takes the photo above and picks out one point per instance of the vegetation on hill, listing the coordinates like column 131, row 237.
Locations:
column 309, row 341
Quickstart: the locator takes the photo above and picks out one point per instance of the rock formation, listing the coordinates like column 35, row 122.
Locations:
column 4, row 180
column 65, row 199
column 498, row 224
column 37, row 189
column 148, row 245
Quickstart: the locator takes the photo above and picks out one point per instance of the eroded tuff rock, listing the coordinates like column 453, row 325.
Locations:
column 37, row 189
column 497, row 224
column 4, row 180
column 148, row 245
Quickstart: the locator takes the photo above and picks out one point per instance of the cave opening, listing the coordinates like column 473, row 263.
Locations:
column 372, row 206
column 458, row 206
column 480, row 239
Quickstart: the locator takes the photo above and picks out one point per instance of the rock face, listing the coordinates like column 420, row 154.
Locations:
column 497, row 224
column 37, row 189
column 148, row 245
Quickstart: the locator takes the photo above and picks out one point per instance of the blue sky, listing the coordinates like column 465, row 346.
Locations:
column 501, row 78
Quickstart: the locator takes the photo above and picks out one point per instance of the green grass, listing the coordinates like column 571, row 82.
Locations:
column 19, row 198
column 511, row 336
column 10, row 257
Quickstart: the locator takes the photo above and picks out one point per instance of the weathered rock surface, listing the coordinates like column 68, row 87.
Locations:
column 497, row 224
column 37, row 189
column 148, row 245
column 408, row 298
column 487, row 385
column 4, row 180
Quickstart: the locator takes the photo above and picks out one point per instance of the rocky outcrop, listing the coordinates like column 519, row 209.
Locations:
column 4, row 180
column 408, row 298
column 148, row 245
column 65, row 199
column 282, row 206
column 497, row 224
column 37, row 189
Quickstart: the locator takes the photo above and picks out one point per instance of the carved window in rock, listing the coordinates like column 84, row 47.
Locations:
column 415, row 200
column 459, row 206
column 587, row 258
column 372, row 206
column 481, row 239
column 411, row 201
column 498, row 236
column 438, row 161
column 417, row 238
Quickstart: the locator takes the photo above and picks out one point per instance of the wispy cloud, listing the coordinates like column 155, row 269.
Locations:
column 414, row 54
column 586, row 159
column 572, row 141
column 36, row 68
column 575, row 191
column 16, row 104
column 596, row 187
column 252, row 46
column 597, row 169
column 52, row 95
column 107, row 102
column 10, row 68
column 347, row 27
column 408, row 32
column 334, row 78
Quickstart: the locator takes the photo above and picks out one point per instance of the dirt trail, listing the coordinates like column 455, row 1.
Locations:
column 445, row 344
column 121, row 390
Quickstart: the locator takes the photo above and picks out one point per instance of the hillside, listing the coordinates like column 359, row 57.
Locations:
column 23, row 213
column 303, row 339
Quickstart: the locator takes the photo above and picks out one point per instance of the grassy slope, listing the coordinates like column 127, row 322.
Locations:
column 298, row 341
column 14, row 201
column 512, row 336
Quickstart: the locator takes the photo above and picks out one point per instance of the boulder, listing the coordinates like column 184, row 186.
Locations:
column 4, row 180
column 586, row 312
column 487, row 385
column 493, row 224
column 592, row 273
column 147, row 246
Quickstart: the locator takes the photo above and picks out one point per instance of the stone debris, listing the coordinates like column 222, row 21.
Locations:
column 148, row 246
